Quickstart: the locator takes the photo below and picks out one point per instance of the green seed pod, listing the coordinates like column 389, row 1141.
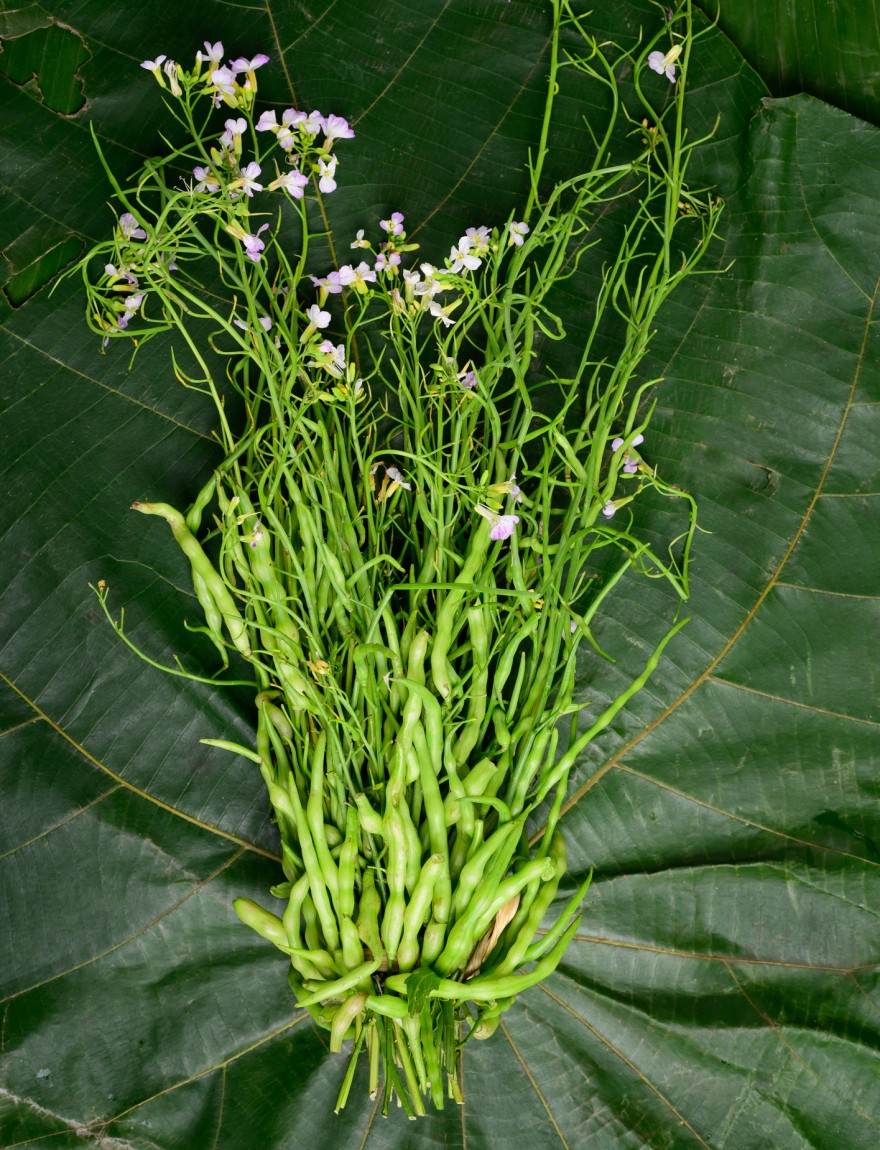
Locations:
column 368, row 915
column 343, row 1019
column 418, row 911
column 191, row 547
column 204, row 497
column 262, row 921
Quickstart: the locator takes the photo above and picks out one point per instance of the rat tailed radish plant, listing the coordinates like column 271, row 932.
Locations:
column 396, row 542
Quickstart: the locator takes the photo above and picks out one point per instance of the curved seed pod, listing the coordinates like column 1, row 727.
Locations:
column 293, row 910
column 343, row 1018
column 352, row 949
column 348, row 857
column 489, row 989
column 490, row 939
column 275, row 715
column 204, row 497
column 315, row 817
column 395, row 873
column 262, row 921
column 368, row 916
column 317, row 886
column 505, row 661
column 418, row 911
column 339, row 986
column 370, row 819
column 441, row 671
column 541, row 945
column 477, row 694
column 433, row 941
column 476, row 783
column 534, row 915
column 475, row 868
column 413, row 847
column 213, row 615
column 435, row 820
column 490, row 1017
column 191, row 547
column 387, row 1005
column 502, row 732
column 467, row 931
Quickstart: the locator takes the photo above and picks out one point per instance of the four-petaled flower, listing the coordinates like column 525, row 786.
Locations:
column 438, row 311
column 207, row 180
column 335, row 128
column 242, row 64
column 327, row 168
column 316, row 317
column 517, row 233
column 333, row 358
column 387, row 261
column 660, row 63
column 223, row 80
column 630, row 463
column 501, row 526
column 213, row 54
column 253, row 245
column 357, row 278
column 330, row 284
column 394, row 226
column 231, row 138
column 248, row 181
column 293, row 182
column 131, row 230
column 463, row 257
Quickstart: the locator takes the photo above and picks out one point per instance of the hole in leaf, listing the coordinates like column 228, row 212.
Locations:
column 46, row 62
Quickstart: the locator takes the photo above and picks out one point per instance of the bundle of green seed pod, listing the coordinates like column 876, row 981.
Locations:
column 411, row 613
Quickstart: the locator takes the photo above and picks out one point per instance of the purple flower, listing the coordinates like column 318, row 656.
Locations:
column 293, row 182
column 223, row 80
column 335, row 128
column 207, row 180
column 467, row 379
column 131, row 230
column 517, row 232
column 248, row 182
column 213, row 54
column 235, row 129
column 609, row 509
column 394, row 226
column 630, row 463
column 501, row 526
column 242, row 64
column 357, row 278
column 385, row 261
column 660, row 63
column 331, row 283
column 154, row 65
column 253, row 245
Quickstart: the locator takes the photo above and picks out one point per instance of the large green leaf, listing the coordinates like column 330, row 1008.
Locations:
column 824, row 48
column 723, row 991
